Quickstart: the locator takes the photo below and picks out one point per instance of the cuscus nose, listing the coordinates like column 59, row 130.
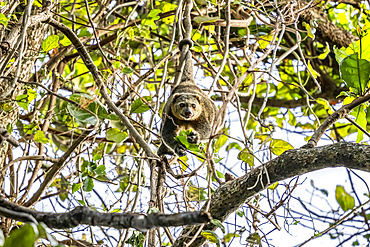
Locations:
column 188, row 114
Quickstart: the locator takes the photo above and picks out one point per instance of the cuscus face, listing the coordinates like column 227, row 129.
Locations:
column 186, row 106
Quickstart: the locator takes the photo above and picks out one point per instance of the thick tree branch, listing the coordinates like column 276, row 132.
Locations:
column 231, row 195
column 87, row 216
column 326, row 31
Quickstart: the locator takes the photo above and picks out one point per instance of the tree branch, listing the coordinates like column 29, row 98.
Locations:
column 338, row 114
column 55, row 169
column 87, row 216
column 231, row 195
column 95, row 73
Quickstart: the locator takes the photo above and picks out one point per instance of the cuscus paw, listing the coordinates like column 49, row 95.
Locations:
column 162, row 150
column 193, row 138
column 180, row 149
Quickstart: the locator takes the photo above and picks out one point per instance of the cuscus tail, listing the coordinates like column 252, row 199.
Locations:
column 185, row 68
column 187, row 74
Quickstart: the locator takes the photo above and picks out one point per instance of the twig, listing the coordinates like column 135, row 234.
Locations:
column 94, row 71
column 334, row 225
column 357, row 125
column 338, row 114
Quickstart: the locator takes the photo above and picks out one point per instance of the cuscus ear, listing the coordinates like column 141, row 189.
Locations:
column 175, row 96
column 198, row 97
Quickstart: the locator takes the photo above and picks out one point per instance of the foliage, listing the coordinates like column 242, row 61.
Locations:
column 27, row 236
column 282, row 96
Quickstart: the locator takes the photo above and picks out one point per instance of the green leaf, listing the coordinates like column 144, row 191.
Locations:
column 340, row 54
column 265, row 40
column 136, row 239
column 36, row 3
column 25, row 99
column 254, row 239
column 183, row 138
column 43, row 233
column 88, row 184
column 345, row 200
column 355, row 72
column 65, row 41
column 314, row 72
column 40, row 137
column 221, row 140
column 201, row 2
column 3, row 19
column 228, row 237
column 154, row 13
column 348, row 100
column 82, row 202
column 211, row 236
column 100, row 170
column 361, row 120
column 201, row 19
column 343, row 93
column 218, row 224
column 325, row 192
column 247, row 157
column 367, row 236
column 240, row 213
column 9, row 128
column 198, row 48
column 149, row 23
column 273, row 186
column 50, row 43
column 292, row 119
column 355, row 243
column 81, row 115
column 22, row 237
column 322, row 56
column 113, row 117
column 76, row 187
column 310, row 31
column 197, row 35
column 153, row 210
column 139, row 106
column 195, row 193
column 127, row 70
column 278, row 146
column 84, row 33
column 233, row 145
column 326, row 105
column 220, row 174
column 116, row 64
column 114, row 134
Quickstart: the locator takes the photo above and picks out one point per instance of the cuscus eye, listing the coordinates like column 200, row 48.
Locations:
column 182, row 105
column 193, row 105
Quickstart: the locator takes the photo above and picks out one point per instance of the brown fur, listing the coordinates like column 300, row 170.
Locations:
column 179, row 114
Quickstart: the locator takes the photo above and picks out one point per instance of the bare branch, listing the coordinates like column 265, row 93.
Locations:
column 87, row 216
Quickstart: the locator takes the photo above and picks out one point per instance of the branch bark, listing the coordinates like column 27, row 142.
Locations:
column 87, row 216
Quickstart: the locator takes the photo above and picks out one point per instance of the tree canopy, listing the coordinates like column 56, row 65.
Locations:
column 82, row 88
